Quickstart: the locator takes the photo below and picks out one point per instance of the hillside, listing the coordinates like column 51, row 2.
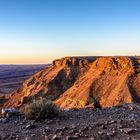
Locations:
column 79, row 82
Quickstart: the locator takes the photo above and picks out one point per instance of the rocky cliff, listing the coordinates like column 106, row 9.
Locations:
column 79, row 82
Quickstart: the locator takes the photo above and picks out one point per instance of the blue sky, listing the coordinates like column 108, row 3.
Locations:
column 38, row 31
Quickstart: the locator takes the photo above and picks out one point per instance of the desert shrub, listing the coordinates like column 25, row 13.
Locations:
column 96, row 103
column 41, row 109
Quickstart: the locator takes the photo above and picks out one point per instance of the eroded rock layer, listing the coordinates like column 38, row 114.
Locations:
column 78, row 82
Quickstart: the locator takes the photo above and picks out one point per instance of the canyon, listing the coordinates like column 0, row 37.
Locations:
column 81, row 82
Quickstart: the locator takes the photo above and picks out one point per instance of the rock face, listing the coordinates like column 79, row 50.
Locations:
column 79, row 82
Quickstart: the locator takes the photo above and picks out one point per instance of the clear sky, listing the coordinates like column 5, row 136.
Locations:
column 38, row 31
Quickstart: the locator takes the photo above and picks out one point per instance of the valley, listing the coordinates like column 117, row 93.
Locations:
column 12, row 76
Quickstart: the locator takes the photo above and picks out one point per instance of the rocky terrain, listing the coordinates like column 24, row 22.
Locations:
column 98, row 99
column 114, row 123
column 79, row 82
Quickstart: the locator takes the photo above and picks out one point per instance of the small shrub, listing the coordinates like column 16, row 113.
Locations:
column 96, row 103
column 41, row 109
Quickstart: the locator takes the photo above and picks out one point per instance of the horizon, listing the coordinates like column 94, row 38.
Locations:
column 26, row 64
column 49, row 63
column 37, row 32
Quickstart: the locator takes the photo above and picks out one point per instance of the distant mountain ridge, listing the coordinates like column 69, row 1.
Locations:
column 12, row 76
column 79, row 82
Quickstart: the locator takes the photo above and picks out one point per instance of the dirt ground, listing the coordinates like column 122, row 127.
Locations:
column 115, row 123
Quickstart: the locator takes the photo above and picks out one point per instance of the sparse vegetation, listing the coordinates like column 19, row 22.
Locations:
column 41, row 109
column 96, row 103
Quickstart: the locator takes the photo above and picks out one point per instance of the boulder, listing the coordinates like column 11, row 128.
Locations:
column 9, row 112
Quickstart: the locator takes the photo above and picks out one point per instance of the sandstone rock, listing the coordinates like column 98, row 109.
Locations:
column 75, row 82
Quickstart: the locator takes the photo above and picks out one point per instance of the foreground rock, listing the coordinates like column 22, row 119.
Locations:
column 10, row 112
column 103, row 124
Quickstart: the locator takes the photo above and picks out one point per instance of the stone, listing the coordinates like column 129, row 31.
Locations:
column 46, row 138
column 3, row 120
column 4, row 137
column 129, row 130
column 73, row 127
column 72, row 131
column 72, row 138
column 47, row 129
column 131, row 106
column 49, row 121
column 58, row 130
column 103, row 126
column 27, row 138
column 12, row 136
column 92, row 138
column 30, row 126
column 85, row 128
column 101, row 132
column 111, row 133
column 9, row 112
column 65, row 128
column 32, row 135
column 55, row 137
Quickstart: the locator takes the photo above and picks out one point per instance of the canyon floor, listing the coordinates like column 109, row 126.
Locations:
column 114, row 123
column 12, row 76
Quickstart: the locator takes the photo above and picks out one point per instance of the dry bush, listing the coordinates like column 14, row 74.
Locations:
column 41, row 109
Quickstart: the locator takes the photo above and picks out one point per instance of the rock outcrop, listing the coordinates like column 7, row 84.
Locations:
column 79, row 82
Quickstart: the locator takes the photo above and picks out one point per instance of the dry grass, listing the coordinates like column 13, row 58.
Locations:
column 41, row 109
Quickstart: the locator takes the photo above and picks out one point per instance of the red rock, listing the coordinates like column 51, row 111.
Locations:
column 79, row 82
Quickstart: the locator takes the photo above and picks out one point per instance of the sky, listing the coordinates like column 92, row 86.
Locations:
column 38, row 31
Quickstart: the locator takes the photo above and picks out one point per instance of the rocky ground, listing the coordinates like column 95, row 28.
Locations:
column 115, row 123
